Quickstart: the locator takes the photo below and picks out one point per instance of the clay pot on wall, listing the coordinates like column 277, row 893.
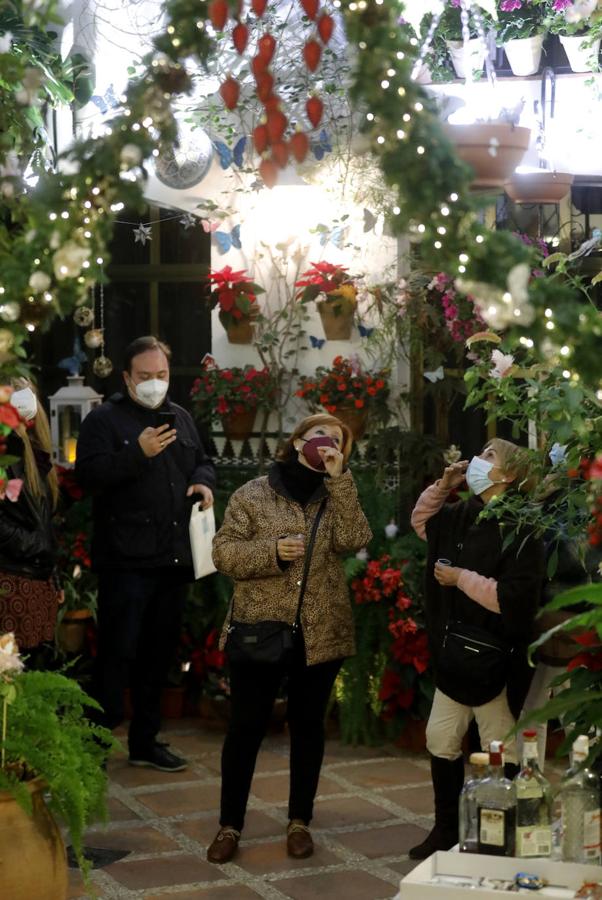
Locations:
column 492, row 150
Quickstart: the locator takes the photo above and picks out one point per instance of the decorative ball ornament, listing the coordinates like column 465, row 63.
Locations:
column 93, row 338
column 10, row 311
column 184, row 166
column 102, row 366
column 83, row 316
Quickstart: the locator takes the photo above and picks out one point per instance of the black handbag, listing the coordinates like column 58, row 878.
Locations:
column 270, row 641
column 473, row 664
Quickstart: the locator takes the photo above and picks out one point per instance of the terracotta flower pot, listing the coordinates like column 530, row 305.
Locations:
column 71, row 632
column 538, row 187
column 337, row 318
column 33, row 864
column 355, row 419
column 493, row 150
column 241, row 331
column 239, row 426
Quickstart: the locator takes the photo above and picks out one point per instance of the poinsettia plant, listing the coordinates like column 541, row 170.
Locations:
column 328, row 279
column 221, row 392
column 344, row 384
column 234, row 293
column 74, row 531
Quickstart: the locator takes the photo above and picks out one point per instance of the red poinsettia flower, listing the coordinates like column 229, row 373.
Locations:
column 226, row 277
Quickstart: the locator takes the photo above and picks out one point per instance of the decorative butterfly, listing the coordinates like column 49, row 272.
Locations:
column 209, row 226
column 437, row 375
column 226, row 241
column 73, row 364
column 105, row 102
column 228, row 156
column 317, row 343
column 321, row 146
column 370, row 220
column 364, row 330
column 335, row 236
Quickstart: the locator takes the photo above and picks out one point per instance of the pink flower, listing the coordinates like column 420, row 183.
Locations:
column 502, row 363
column 510, row 5
column 13, row 489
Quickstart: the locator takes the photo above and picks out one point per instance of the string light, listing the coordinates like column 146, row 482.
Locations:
column 400, row 54
column 52, row 216
column 422, row 229
column 453, row 197
column 400, row 134
column 461, row 269
column 437, row 245
column 550, row 325
column 396, row 210
column 441, row 230
column 401, row 91
column 444, row 211
column 420, row 150
column 565, row 351
column 566, row 373
column 406, row 117
column 418, row 107
column 479, row 239
column 385, row 84
column 463, row 257
column 391, row 73
column 380, row 139
column 548, row 313
column 370, row 117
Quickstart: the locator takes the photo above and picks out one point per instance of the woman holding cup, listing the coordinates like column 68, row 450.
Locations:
column 481, row 595
column 281, row 541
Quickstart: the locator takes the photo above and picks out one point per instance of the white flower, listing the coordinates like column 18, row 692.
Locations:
column 391, row 530
column 68, row 260
column 452, row 455
column 7, row 189
column 5, row 42
column 130, row 156
column 10, row 661
column 502, row 363
column 39, row 281
column 363, row 555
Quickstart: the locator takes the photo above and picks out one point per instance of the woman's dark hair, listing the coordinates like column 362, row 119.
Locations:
column 141, row 345
column 288, row 452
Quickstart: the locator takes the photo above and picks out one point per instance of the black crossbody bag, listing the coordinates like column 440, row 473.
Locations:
column 271, row 641
column 473, row 664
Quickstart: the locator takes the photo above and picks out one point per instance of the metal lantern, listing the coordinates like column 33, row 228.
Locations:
column 68, row 409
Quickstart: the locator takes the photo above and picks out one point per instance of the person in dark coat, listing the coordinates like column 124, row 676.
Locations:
column 29, row 589
column 489, row 589
column 140, row 457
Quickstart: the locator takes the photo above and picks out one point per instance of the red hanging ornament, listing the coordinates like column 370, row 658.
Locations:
column 240, row 37
column 258, row 7
column 299, row 145
column 218, row 13
column 261, row 138
column 265, row 83
column 269, row 172
column 272, row 104
column 280, row 154
column 311, row 8
column 314, row 109
column 312, row 53
column 258, row 65
column 230, row 90
column 325, row 27
column 276, row 125
column 265, row 47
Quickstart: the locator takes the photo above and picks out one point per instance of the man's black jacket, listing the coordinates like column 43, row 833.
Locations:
column 141, row 512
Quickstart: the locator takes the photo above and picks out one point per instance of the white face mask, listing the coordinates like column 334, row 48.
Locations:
column 151, row 393
column 25, row 402
column 477, row 475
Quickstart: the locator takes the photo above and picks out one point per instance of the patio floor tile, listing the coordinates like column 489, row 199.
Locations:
column 275, row 789
column 347, row 811
column 350, row 885
column 392, row 840
column 389, row 773
column 272, row 857
column 257, row 825
column 162, row 872
column 179, row 800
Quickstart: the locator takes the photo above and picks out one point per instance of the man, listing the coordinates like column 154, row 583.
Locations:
column 140, row 457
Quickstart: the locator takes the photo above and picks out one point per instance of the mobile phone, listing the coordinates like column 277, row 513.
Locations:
column 166, row 418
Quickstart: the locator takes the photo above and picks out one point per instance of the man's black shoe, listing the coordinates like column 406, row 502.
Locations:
column 160, row 758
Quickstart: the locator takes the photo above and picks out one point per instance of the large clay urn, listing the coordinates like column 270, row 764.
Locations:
column 492, row 150
column 538, row 187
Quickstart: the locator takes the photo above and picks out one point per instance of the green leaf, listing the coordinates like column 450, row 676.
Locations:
column 597, row 278
column 553, row 258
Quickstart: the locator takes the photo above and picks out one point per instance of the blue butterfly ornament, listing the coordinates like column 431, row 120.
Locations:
column 225, row 241
column 364, row 330
column 317, row 343
column 229, row 156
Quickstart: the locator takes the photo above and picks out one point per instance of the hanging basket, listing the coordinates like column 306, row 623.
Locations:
column 581, row 59
column 355, row 419
column 524, row 54
column 492, row 150
column 475, row 56
column 242, row 331
column 33, row 863
column 538, row 187
column 239, row 426
column 337, row 318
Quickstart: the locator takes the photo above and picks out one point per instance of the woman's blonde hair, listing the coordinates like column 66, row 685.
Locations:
column 287, row 451
column 514, row 460
column 41, row 433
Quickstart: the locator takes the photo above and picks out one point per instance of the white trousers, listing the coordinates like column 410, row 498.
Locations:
column 449, row 721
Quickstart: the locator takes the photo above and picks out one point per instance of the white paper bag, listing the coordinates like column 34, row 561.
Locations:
column 202, row 532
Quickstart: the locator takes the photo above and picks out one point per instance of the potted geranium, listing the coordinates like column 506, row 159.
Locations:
column 236, row 296
column 232, row 396
column 579, row 29
column 335, row 294
column 520, row 31
column 51, row 765
column 346, row 391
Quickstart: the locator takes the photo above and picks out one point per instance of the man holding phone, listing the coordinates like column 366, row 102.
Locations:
column 141, row 458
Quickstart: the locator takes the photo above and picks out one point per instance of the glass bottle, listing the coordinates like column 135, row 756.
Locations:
column 580, row 808
column 496, row 807
column 533, row 803
column 468, row 803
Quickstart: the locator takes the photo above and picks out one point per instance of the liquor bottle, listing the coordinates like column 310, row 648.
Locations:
column 496, row 807
column 533, row 804
column 469, row 831
column 580, row 805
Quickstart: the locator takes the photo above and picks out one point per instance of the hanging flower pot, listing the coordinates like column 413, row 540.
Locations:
column 581, row 58
column 474, row 56
column 538, row 187
column 239, row 331
column 524, row 54
column 335, row 295
column 238, row 426
column 355, row 419
column 337, row 318
column 236, row 297
column 492, row 149
column 71, row 630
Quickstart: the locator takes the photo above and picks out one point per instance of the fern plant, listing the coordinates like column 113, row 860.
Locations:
column 46, row 734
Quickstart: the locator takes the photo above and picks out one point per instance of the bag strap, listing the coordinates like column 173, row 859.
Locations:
column 308, row 555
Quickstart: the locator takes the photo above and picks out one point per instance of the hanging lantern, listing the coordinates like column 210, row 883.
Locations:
column 68, row 408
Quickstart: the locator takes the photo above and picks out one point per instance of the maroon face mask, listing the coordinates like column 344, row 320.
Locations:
column 310, row 451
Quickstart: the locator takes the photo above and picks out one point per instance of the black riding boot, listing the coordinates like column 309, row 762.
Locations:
column 448, row 779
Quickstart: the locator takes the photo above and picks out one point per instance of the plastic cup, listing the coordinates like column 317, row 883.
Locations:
column 444, row 562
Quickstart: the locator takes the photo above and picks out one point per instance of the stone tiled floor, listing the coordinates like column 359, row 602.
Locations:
column 373, row 804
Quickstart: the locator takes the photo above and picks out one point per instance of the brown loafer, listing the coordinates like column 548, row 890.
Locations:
column 299, row 844
column 224, row 846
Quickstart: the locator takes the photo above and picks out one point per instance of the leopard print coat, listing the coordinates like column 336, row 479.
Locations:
column 261, row 512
